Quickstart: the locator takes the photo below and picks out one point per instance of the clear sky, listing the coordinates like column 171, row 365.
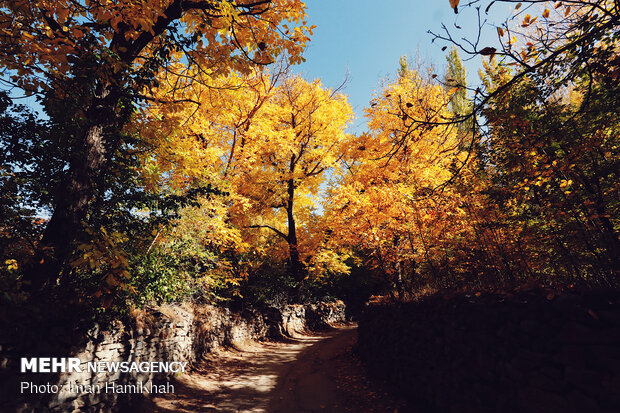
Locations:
column 366, row 38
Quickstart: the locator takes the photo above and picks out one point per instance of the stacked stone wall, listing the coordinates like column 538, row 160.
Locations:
column 528, row 352
column 172, row 333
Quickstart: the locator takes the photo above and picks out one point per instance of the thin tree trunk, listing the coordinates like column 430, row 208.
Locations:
column 295, row 262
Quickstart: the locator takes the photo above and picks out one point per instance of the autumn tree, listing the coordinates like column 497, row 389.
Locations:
column 92, row 62
column 456, row 81
column 269, row 140
column 553, row 169
column 555, row 43
column 547, row 101
column 306, row 137
column 196, row 132
column 390, row 206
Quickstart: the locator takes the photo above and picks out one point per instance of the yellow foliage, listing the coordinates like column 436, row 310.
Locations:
column 48, row 31
column 11, row 265
column 265, row 139
column 393, row 204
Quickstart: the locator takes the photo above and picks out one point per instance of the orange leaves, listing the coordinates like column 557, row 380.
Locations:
column 524, row 55
column 60, row 31
column 77, row 33
column 454, row 4
column 424, row 141
column 527, row 20
column 11, row 265
column 386, row 204
column 104, row 254
column 249, row 136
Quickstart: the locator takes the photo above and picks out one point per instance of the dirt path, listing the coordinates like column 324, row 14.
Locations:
column 317, row 373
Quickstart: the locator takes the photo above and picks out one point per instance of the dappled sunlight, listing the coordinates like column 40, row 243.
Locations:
column 305, row 373
column 177, row 158
column 240, row 379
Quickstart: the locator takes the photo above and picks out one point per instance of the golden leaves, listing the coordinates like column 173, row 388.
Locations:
column 527, row 20
column 386, row 196
column 242, row 138
column 49, row 46
column 11, row 265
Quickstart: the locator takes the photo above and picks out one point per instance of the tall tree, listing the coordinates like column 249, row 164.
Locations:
column 306, row 138
column 390, row 206
column 547, row 100
column 456, row 81
column 270, row 141
column 554, row 170
column 93, row 61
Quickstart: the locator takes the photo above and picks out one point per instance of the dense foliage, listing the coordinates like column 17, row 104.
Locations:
column 170, row 163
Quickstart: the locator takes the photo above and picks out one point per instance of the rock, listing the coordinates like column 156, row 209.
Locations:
column 173, row 334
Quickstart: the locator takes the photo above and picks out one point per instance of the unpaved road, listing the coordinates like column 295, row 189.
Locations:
column 317, row 373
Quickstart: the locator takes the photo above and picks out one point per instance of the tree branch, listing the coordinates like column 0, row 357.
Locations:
column 277, row 231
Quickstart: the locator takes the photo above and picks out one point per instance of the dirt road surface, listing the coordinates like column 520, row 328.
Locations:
column 310, row 373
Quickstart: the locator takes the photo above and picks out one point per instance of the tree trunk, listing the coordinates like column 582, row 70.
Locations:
column 295, row 263
column 76, row 192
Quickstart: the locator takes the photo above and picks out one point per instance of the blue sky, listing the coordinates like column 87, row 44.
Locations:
column 366, row 38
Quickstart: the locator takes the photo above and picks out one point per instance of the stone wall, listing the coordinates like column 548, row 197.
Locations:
column 528, row 352
column 171, row 333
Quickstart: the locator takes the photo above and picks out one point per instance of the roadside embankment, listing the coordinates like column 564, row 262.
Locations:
column 526, row 352
column 179, row 334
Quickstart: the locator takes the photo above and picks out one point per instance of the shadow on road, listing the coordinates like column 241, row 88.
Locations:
column 315, row 373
